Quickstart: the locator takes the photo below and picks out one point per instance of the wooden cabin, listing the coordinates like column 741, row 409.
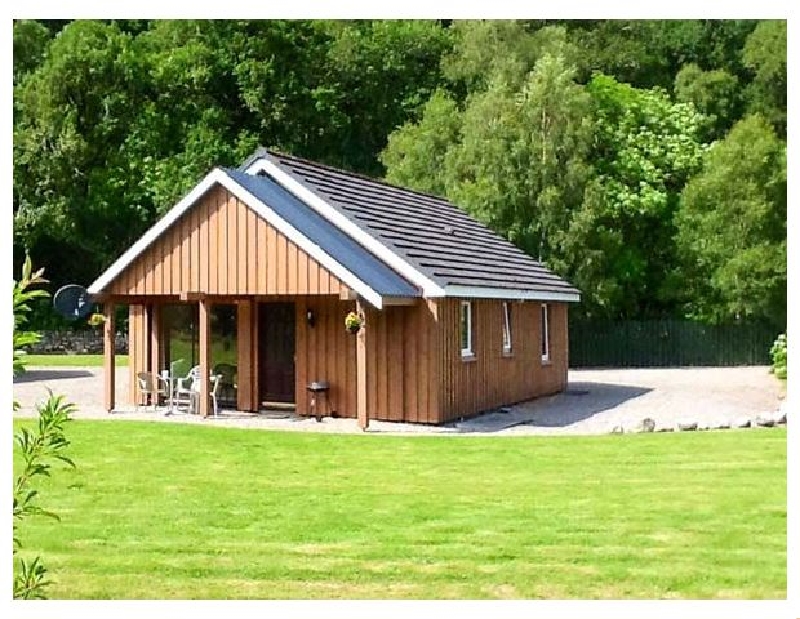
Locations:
column 257, row 268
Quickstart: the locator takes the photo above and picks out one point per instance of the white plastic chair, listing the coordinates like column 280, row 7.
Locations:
column 183, row 388
column 149, row 385
column 212, row 392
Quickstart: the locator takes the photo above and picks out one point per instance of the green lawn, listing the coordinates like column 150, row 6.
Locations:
column 71, row 360
column 181, row 511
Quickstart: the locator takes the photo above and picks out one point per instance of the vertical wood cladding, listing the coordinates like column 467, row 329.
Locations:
column 324, row 352
column 220, row 246
column 401, row 360
column 109, row 339
column 493, row 378
column 401, row 353
column 247, row 355
column 137, row 347
column 415, row 371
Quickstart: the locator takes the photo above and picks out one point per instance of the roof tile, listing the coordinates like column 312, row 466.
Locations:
column 436, row 237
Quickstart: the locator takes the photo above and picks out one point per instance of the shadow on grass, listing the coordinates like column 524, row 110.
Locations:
column 33, row 375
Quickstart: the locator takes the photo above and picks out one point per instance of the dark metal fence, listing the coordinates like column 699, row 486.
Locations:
column 668, row 343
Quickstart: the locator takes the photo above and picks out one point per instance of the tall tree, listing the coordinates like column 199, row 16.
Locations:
column 765, row 55
column 649, row 53
column 415, row 153
column 715, row 94
column 519, row 163
column 620, row 242
column 73, row 112
column 513, row 158
column 488, row 50
column 732, row 227
column 379, row 74
column 30, row 44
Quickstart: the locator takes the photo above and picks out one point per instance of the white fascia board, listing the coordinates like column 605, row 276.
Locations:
column 469, row 292
column 217, row 176
column 390, row 258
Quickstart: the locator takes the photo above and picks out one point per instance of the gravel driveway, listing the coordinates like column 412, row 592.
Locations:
column 596, row 401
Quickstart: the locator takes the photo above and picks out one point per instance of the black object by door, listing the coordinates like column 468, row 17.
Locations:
column 276, row 352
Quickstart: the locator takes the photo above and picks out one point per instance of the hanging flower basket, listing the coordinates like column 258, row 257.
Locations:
column 96, row 320
column 352, row 323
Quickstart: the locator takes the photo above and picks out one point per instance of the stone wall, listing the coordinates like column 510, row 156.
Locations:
column 76, row 342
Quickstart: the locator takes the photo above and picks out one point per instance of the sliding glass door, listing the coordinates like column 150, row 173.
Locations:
column 181, row 342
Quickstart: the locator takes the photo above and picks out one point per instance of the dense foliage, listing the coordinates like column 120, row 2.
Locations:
column 615, row 151
column 732, row 226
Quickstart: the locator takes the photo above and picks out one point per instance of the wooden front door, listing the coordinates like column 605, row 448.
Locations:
column 276, row 352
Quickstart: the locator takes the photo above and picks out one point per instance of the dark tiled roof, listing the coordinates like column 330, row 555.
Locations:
column 352, row 256
column 436, row 237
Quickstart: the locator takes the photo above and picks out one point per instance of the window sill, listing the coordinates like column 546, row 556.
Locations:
column 546, row 362
column 468, row 358
column 508, row 354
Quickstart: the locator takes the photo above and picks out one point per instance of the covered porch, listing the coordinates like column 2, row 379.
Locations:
column 266, row 349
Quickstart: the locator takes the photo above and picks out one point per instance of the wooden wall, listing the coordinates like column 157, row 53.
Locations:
column 138, row 348
column 247, row 396
column 401, row 363
column 415, row 372
column 400, row 360
column 221, row 246
column 325, row 352
column 493, row 379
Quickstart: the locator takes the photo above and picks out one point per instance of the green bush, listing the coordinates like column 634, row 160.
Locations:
column 778, row 352
column 39, row 445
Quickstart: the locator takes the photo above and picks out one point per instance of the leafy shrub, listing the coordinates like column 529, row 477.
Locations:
column 38, row 446
column 778, row 352
column 22, row 296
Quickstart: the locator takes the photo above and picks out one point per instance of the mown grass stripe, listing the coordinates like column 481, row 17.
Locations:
column 163, row 511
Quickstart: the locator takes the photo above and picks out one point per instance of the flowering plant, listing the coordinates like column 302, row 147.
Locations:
column 352, row 322
column 96, row 320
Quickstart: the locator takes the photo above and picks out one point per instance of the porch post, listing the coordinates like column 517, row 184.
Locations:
column 109, row 345
column 245, row 348
column 205, row 355
column 155, row 338
column 361, row 370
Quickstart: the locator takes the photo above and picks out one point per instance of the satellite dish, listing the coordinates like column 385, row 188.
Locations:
column 72, row 301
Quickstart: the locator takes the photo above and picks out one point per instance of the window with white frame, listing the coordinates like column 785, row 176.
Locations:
column 466, row 329
column 545, row 332
column 506, row 327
